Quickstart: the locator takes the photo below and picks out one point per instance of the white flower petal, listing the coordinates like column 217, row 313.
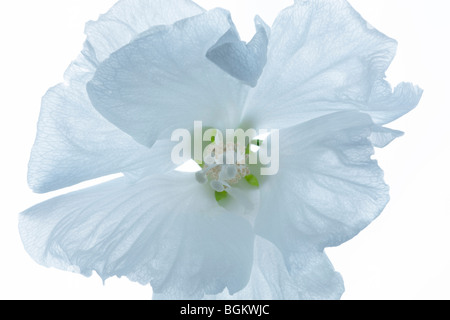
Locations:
column 74, row 142
column 381, row 136
column 386, row 105
column 156, row 161
column 163, row 81
column 328, row 188
column 243, row 61
column 314, row 275
column 128, row 18
column 323, row 58
column 270, row 280
column 167, row 230
column 310, row 276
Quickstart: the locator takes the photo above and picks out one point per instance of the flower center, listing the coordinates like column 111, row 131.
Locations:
column 223, row 166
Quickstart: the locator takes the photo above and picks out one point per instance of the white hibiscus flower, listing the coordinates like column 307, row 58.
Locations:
column 150, row 67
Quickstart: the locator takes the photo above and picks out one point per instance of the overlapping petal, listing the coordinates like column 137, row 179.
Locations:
column 167, row 231
column 310, row 276
column 163, row 81
column 128, row 18
column 242, row 61
column 74, row 142
column 324, row 58
column 312, row 272
column 328, row 188
column 270, row 280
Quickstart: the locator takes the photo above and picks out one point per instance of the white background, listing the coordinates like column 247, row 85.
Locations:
column 404, row 254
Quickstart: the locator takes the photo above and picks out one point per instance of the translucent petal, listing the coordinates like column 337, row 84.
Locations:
column 323, row 58
column 270, row 279
column 381, row 136
column 386, row 105
column 157, row 161
column 128, row 18
column 243, row 61
column 310, row 276
column 163, row 81
column 167, row 230
column 313, row 273
column 74, row 142
column 328, row 186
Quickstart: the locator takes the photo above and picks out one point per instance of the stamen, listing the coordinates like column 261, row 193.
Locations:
column 222, row 176
column 231, row 171
column 217, row 186
column 228, row 172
